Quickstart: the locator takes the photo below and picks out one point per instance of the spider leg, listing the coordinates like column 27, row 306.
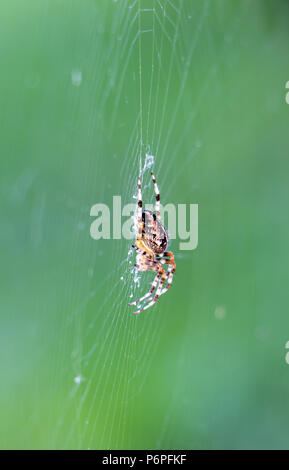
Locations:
column 148, row 294
column 139, row 209
column 170, row 272
column 159, row 289
column 157, row 196
column 145, row 255
column 141, row 252
column 147, row 262
column 171, row 269
column 169, row 282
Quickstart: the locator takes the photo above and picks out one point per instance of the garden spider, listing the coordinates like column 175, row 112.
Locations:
column 151, row 244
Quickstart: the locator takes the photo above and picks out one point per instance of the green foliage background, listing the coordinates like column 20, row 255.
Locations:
column 175, row 376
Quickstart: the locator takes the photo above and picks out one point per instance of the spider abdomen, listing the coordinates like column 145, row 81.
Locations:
column 154, row 235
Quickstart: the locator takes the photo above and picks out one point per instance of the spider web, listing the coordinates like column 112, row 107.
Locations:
column 102, row 367
column 151, row 61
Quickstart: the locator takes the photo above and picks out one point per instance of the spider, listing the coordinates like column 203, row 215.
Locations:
column 151, row 244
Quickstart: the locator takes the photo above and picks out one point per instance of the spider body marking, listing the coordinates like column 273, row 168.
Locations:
column 151, row 245
column 154, row 234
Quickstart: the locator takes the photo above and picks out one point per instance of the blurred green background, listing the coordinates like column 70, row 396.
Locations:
column 205, row 367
